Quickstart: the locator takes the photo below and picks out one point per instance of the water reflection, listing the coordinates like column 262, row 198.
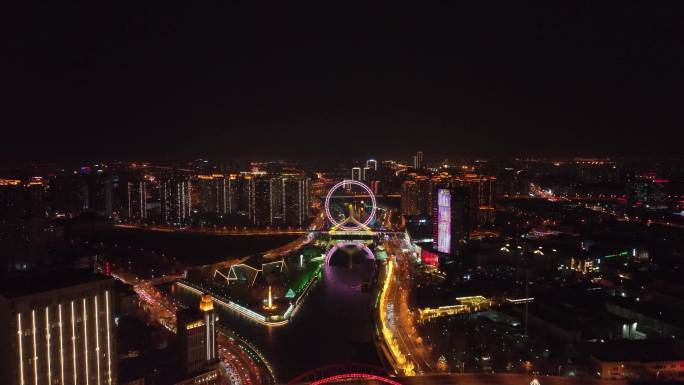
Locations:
column 333, row 326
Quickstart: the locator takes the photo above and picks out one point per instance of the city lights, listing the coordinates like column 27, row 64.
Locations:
column 86, row 355
column 61, row 344
column 444, row 221
column 47, row 343
column 421, row 193
column 341, row 225
column 73, row 343
column 109, row 350
column 35, row 347
column 20, row 346
column 97, row 339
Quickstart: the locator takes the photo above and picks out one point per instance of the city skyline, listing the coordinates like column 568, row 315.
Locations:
column 273, row 252
column 311, row 193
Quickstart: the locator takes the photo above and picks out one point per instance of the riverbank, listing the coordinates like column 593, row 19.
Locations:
column 194, row 249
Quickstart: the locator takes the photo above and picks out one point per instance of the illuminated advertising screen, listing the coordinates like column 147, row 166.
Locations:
column 429, row 258
column 444, row 221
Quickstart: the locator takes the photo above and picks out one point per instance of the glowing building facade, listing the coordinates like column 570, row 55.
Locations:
column 58, row 330
column 444, row 221
column 214, row 193
column 260, row 201
column 279, row 200
column 409, row 198
column 175, row 199
column 356, row 173
column 136, row 200
column 418, row 160
column 296, row 200
column 449, row 220
column 197, row 334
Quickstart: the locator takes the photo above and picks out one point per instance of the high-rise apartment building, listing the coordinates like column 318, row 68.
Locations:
column 136, row 200
column 276, row 200
column 367, row 174
column 418, row 160
column 214, row 193
column 197, row 334
column 11, row 196
column 58, row 329
column 233, row 194
column 67, row 194
column 243, row 187
column 296, row 200
column 35, row 199
column 409, row 198
column 425, row 193
column 279, row 200
column 175, row 199
column 481, row 211
column 450, row 218
column 260, row 200
column 99, row 194
column 356, row 173
column 375, row 186
column 416, row 197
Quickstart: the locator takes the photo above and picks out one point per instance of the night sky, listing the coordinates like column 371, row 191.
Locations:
column 339, row 80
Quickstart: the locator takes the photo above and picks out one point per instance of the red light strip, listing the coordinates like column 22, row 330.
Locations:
column 348, row 376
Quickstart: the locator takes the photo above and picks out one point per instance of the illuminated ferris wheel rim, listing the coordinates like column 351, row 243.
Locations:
column 335, row 222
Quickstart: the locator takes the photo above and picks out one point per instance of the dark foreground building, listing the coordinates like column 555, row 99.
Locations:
column 57, row 329
column 198, row 349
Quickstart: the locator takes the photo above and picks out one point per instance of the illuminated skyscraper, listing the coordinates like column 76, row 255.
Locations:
column 450, row 218
column 425, row 195
column 481, row 211
column 58, row 329
column 260, row 201
column 136, row 200
column 233, row 194
column 416, row 197
column 356, row 173
column 418, row 160
column 296, row 200
column 67, row 194
column 213, row 193
column 35, row 202
column 280, row 200
column 11, row 191
column 198, row 349
column 244, row 185
column 175, row 199
column 375, row 186
column 276, row 200
column 99, row 194
column 367, row 172
column 197, row 334
column 409, row 198
column 372, row 164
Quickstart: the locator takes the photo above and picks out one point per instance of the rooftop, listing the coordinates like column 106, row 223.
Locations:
column 636, row 350
column 23, row 284
column 653, row 310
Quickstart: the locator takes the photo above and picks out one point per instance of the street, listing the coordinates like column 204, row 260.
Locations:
column 401, row 319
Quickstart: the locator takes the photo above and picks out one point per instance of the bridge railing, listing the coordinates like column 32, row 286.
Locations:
column 329, row 371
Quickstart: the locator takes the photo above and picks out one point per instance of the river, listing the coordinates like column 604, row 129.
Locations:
column 333, row 325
